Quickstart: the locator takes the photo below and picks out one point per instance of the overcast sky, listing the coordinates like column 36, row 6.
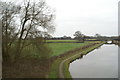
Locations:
column 88, row 16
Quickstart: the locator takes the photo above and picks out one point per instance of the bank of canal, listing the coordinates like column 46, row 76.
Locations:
column 99, row 63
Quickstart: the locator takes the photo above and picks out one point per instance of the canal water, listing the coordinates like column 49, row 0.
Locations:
column 99, row 63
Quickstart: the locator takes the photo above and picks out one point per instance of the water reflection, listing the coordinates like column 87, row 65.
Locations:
column 100, row 63
column 83, row 55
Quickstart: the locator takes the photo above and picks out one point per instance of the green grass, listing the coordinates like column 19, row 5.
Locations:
column 56, row 48
column 54, row 69
column 60, row 48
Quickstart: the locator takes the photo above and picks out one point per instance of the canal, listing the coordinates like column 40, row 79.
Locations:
column 99, row 63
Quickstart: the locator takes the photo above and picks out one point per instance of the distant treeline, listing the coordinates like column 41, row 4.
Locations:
column 86, row 38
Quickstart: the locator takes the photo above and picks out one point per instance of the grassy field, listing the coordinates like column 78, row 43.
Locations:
column 55, row 48
column 60, row 48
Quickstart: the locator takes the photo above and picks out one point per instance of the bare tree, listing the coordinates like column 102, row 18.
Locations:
column 79, row 36
column 7, row 14
column 34, row 18
column 97, row 35
column 47, row 36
